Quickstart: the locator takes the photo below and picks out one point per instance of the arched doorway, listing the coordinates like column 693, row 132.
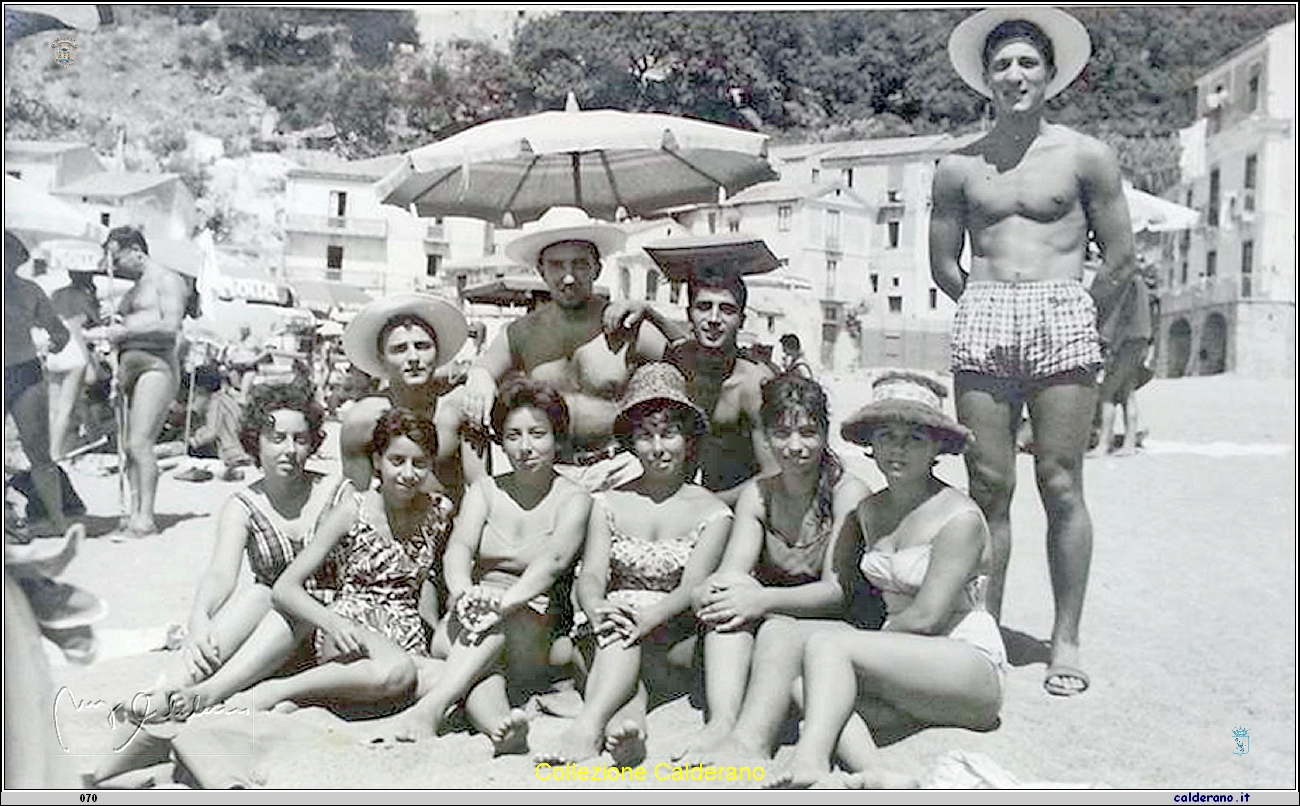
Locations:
column 1213, row 354
column 1180, row 348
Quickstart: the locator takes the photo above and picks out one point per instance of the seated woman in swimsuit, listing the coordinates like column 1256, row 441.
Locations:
column 234, row 637
column 785, row 575
column 270, row 522
column 939, row 659
column 650, row 542
column 515, row 537
column 376, row 555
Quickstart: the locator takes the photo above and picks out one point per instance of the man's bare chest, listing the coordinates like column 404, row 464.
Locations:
column 1040, row 192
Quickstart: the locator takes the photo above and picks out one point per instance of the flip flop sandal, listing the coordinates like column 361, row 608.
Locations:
column 1068, row 672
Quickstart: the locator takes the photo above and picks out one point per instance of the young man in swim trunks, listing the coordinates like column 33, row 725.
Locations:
column 1025, row 332
column 721, row 378
column 147, row 366
column 564, row 341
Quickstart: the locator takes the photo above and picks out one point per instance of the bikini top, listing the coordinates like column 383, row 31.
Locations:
column 787, row 563
column 269, row 549
column 497, row 552
column 899, row 573
column 657, row 565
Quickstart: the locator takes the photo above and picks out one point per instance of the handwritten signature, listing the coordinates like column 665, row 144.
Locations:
column 132, row 715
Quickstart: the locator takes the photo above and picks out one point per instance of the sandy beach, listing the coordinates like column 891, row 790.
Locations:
column 1189, row 628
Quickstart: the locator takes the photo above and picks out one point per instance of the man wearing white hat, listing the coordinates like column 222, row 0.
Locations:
column 404, row 339
column 563, row 342
column 1028, row 194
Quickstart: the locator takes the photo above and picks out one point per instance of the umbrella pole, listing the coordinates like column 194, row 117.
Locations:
column 576, row 160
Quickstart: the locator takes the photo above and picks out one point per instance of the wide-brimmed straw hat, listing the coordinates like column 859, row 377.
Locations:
column 899, row 396
column 1070, row 44
column 560, row 224
column 653, row 383
column 712, row 256
column 361, row 338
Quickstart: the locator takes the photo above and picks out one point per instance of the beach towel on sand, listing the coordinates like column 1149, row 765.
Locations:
column 958, row 769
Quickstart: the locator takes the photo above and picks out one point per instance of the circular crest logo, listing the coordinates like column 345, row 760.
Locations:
column 65, row 50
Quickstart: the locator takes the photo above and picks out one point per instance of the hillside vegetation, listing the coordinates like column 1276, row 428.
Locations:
column 251, row 75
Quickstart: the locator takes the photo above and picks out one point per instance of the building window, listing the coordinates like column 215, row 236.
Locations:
column 431, row 265
column 784, row 214
column 831, row 313
column 894, row 230
column 894, row 196
column 651, row 285
column 1252, row 171
column 847, row 176
column 895, row 304
column 713, row 223
column 1186, row 264
column 1211, row 264
column 733, row 225
column 934, row 298
column 338, row 203
column 1212, row 214
column 675, row 292
column 831, row 267
column 1247, row 267
column 104, row 218
column 894, row 281
column 624, row 282
column 334, row 263
column 816, row 176
column 1252, row 90
column 875, row 283
column 489, row 239
column 832, row 229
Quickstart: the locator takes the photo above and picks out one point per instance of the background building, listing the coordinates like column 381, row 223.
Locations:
column 1228, row 290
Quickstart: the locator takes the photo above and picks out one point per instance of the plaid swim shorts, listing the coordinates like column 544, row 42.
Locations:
column 1026, row 330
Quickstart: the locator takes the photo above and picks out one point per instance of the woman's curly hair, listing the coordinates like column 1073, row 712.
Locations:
column 266, row 400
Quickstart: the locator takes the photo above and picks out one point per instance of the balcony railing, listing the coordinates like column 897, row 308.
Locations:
column 338, row 225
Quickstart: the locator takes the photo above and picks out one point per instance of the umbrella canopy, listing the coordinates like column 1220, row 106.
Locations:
column 1155, row 214
column 36, row 216
column 599, row 160
column 508, row 291
column 326, row 295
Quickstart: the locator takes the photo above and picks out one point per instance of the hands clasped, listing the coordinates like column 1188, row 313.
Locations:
column 616, row 624
column 478, row 610
column 727, row 602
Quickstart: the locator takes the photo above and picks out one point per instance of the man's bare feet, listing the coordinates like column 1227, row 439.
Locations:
column 511, row 737
column 627, row 744
column 1064, row 676
column 575, row 744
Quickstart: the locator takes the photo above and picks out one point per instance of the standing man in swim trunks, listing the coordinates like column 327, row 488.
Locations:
column 721, row 378
column 1025, row 332
column 27, row 395
column 148, row 369
column 564, row 342
column 404, row 339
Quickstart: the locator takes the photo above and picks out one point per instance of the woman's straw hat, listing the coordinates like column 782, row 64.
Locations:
column 899, row 396
column 560, row 224
column 1068, row 36
column 361, row 339
column 653, row 383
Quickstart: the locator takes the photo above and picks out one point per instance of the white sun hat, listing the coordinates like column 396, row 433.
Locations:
column 1069, row 38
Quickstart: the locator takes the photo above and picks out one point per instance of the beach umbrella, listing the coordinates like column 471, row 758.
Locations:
column 36, row 216
column 599, row 160
column 1154, row 214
